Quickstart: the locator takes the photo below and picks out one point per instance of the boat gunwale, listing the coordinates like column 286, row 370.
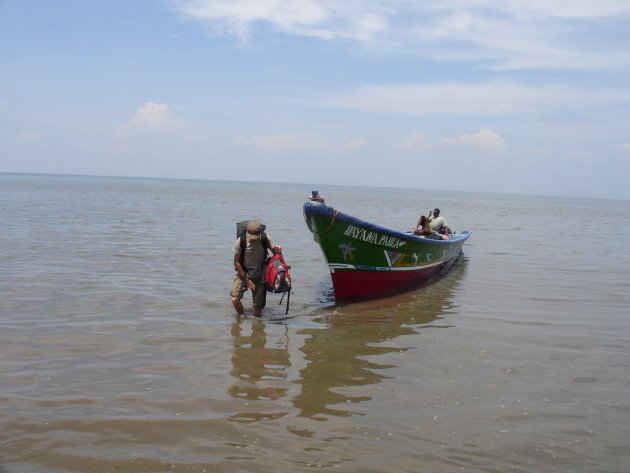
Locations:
column 322, row 210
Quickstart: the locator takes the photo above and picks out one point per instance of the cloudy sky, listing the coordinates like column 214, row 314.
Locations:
column 515, row 96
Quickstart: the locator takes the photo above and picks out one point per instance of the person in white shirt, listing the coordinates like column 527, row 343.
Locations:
column 436, row 223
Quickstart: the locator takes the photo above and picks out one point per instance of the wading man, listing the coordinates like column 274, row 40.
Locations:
column 250, row 253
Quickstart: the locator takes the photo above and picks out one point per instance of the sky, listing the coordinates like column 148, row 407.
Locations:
column 501, row 96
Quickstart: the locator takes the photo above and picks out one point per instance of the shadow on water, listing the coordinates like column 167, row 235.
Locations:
column 340, row 351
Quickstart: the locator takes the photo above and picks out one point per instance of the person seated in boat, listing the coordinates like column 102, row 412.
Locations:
column 422, row 227
column 423, row 230
column 437, row 223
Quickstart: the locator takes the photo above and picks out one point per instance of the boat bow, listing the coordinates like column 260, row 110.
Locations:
column 369, row 260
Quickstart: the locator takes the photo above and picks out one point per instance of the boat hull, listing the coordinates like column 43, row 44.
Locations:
column 368, row 261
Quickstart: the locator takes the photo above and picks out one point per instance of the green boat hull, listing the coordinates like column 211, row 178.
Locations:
column 367, row 260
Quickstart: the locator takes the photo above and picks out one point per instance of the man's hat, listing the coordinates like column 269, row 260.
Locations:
column 436, row 210
column 253, row 230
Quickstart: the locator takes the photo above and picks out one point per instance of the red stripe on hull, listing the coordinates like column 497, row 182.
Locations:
column 350, row 284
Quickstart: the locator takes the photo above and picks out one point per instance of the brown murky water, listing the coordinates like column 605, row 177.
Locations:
column 120, row 352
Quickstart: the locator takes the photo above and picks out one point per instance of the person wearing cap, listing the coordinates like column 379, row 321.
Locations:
column 436, row 223
column 249, row 267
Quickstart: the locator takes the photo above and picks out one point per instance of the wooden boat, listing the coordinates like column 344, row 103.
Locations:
column 368, row 260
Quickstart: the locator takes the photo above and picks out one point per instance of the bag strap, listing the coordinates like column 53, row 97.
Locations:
column 288, row 299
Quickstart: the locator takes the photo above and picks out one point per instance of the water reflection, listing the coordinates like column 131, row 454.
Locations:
column 343, row 353
column 340, row 353
column 259, row 370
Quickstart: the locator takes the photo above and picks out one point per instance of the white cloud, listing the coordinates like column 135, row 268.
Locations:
column 154, row 115
column 513, row 35
column 307, row 141
column 355, row 143
column 543, row 9
column 485, row 139
column 320, row 19
column 485, row 99
column 30, row 137
column 413, row 141
column 507, row 34
column 584, row 157
column 623, row 148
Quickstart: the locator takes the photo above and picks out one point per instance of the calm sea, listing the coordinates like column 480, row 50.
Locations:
column 120, row 350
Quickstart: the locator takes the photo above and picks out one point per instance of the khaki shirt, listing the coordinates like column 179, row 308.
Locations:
column 255, row 255
column 437, row 224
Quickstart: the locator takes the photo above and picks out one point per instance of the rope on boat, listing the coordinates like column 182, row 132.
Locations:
column 332, row 220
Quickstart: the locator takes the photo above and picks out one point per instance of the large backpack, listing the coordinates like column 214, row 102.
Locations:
column 277, row 277
column 241, row 228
